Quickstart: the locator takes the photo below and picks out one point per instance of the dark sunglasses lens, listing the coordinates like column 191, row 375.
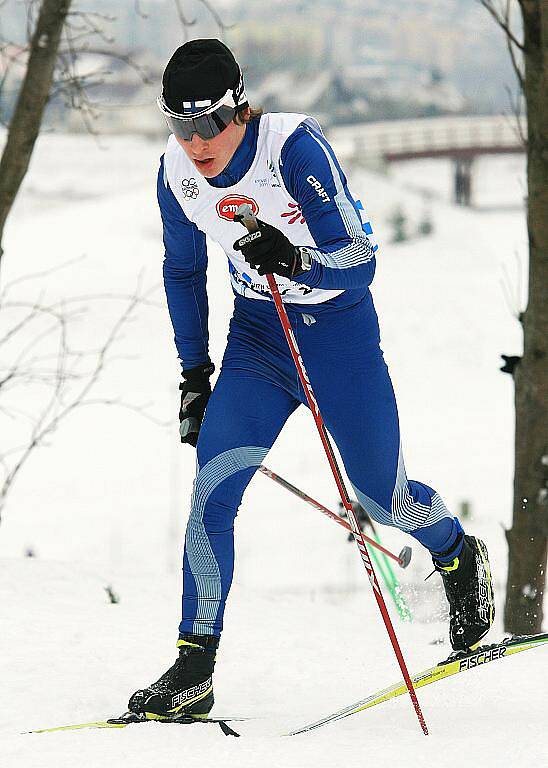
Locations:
column 206, row 126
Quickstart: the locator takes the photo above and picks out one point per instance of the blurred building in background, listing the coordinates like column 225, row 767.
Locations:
column 343, row 62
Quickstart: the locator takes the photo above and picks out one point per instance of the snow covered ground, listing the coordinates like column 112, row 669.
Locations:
column 105, row 502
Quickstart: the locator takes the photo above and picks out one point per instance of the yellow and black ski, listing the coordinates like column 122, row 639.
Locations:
column 457, row 662
column 129, row 718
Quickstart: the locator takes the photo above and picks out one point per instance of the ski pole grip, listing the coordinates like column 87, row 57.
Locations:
column 244, row 214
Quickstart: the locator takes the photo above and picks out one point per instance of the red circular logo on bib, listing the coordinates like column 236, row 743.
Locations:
column 227, row 207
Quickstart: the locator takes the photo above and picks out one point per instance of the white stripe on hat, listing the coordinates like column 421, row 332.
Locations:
column 196, row 104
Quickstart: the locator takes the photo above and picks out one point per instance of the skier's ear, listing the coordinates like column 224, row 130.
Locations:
column 243, row 117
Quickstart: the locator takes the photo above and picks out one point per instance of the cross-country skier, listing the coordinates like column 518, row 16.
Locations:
column 314, row 237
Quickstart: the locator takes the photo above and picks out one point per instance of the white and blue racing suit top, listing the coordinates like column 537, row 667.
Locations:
column 286, row 170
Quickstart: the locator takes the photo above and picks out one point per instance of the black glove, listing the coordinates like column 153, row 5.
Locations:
column 269, row 251
column 195, row 391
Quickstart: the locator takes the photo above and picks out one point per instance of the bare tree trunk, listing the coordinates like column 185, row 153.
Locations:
column 528, row 537
column 27, row 118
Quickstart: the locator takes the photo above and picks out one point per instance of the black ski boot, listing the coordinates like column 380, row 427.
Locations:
column 186, row 688
column 469, row 590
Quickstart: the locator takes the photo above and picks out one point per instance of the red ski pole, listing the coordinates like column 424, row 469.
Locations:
column 402, row 560
column 244, row 214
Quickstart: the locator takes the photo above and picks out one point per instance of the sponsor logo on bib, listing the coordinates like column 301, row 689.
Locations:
column 227, row 207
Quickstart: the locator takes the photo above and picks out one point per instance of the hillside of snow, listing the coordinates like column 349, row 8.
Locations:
column 104, row 503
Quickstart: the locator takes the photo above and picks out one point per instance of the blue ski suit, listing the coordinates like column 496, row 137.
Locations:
column 258, row 387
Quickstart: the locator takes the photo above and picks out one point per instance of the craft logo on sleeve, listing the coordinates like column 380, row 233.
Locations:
column 315, row 184
column 227, row 207
column 190, row 189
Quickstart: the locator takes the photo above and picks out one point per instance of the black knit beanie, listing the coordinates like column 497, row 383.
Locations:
column 202, row 70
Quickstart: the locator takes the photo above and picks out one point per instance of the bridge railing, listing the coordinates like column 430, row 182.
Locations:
column 443, row 135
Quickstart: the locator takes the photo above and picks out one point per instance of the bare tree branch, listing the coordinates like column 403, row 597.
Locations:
column 515, row 106
column 218, row 20
column 139, row 11
column 10, row 60
column 182, row 18
column 64, row 372
column 509, row 45
column 125, row 58
column 512, row 289
column 35, row 276
column 503, row 22
column 88, row 24
column 73, row 85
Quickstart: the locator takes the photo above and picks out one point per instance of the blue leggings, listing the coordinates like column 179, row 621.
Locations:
column 257, row 390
